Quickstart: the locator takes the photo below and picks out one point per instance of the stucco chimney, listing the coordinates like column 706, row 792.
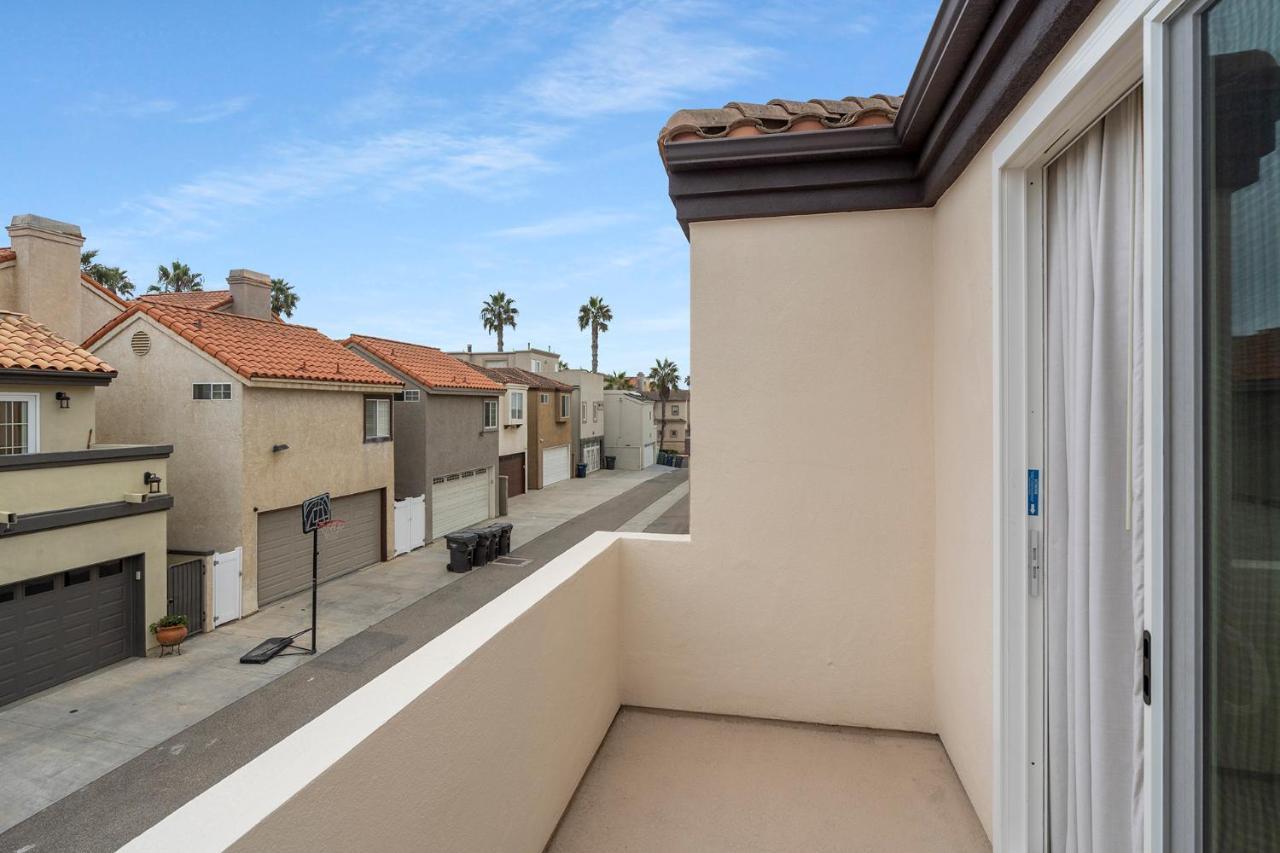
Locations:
column 250, row 293
column 468, row 347
column 46, row 280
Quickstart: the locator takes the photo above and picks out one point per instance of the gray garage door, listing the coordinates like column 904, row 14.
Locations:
column 62, row 626
column 284, row 551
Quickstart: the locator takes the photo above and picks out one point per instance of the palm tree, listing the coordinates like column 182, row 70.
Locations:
column 500, row 311
column 597, row 315
column 283, row 298
column 112, row 278
column 666, row 378
column 617, row 381
column 176, row 278
column 563, row 365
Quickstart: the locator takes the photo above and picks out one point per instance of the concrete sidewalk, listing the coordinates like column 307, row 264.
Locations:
column 56, row 742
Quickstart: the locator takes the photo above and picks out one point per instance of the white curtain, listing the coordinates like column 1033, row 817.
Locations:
column 1093, row 486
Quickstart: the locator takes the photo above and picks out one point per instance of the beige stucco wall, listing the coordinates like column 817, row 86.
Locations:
column 46, row 278
column 34, row 554
column 628, row 427
column 327, row 453
column 50, row 488
column 95, row 310
column 150, row 402
column 763, row 626
column 62, row 429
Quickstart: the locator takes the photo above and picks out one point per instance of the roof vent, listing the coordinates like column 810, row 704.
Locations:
column 141, row 343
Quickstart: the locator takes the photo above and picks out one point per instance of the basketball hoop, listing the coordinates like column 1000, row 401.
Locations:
column 330, row 528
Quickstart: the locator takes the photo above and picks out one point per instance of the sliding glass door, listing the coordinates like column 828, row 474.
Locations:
column 1224, row 418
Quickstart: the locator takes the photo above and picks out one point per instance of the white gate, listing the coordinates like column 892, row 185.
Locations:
column 591, row 456
column 410, row 521
column 649, row 456
column 226, row 586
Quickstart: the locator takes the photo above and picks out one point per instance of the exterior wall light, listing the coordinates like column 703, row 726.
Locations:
column 64, row 399
column 152, row 482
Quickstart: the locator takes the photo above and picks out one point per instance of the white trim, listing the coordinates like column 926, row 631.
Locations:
column 487, row 404
column 33, row 416
column 211, row 384
column 1106, row 63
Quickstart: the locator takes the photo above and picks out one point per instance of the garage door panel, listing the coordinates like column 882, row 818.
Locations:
column 284, row 551
column 459, row 501
column 555, row 465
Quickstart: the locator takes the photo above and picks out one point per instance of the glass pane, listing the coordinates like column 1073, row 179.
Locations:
column 13, row 427
column 1241, row 214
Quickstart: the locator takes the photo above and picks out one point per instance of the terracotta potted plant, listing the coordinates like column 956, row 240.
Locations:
column 170, row 631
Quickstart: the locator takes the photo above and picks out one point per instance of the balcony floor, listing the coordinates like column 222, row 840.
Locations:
column 666, row 781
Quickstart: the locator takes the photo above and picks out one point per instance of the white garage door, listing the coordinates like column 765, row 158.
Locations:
column 555, row 465
column 591, row 456
column 458, row 501
column 649, row 457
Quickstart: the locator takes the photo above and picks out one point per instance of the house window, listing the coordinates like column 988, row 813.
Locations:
column 595, row 411
column 544, row 398
column 490, row 414
column 675, row 411
column 517, row 406
column 564, row 406
column 19, row 427
column 211, row 391
column 537, row 365
column 673, row 433
column 377, row 418
column 584, row 411
column 412, row 395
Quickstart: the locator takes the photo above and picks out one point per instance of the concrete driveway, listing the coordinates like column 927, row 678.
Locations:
column 56, row 742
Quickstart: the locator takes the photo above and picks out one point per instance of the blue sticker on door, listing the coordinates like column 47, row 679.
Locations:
column 1033, row 491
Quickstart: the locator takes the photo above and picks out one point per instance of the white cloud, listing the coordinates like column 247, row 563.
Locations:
column 217, row 110
column 645, row 58
column 568, row 224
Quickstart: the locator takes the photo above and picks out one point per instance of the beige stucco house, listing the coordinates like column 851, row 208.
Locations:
column 82, row 521
column 587, row 404
column 40, row 276
column 541, row 361
column 676, row 412
column 262, row 415
column 1048, row 275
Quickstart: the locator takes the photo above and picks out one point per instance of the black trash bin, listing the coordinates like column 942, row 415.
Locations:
column 582, row 470
column 495, row 541
column 609, row 462
column 461, row 547
column 480, row 555
column 504, row 537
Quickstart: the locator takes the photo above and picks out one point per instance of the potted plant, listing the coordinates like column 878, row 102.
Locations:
column 170, row 630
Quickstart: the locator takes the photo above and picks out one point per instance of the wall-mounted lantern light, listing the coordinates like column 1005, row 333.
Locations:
column 279, row 448
column 64, row 399
column 152, row 482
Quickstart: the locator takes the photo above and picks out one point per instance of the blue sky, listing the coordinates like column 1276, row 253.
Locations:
column 398, row 161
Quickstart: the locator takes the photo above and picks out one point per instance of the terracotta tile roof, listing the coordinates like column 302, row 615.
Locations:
column 738, row 118
column 427, row 365
column 28, row 345
column 7, row 254
column 258, row 349
column 517, row 376
column 208, row 300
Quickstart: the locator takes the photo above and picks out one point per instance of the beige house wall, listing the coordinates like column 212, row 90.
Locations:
column 150, row 402
column 327, row 453
column 62, row 429
column 49, row 488
column 95, row 311
column 34, row 554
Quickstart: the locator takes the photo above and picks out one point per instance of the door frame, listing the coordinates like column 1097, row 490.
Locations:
column 1106, row 64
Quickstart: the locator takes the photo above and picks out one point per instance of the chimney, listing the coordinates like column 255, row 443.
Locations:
column 468, row 347
column 47, row 273
column 250, row 293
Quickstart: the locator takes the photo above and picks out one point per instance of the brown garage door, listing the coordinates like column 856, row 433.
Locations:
column 62, row 626
column 512, row 467
column 284, row 551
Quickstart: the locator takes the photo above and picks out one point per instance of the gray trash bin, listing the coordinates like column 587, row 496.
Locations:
column 504, row 537
column 480, row 556
column 461, row 548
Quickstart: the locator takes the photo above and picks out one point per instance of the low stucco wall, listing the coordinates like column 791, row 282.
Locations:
column 62, row 429
column 475, row 742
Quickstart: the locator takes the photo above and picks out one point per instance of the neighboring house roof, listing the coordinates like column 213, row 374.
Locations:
column 208, row 300
column 516, row 376
column 428, row 366
column 739, row 118
column 30, row 346
column 678, row 395
column 258, row 349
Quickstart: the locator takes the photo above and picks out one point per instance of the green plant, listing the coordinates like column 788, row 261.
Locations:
column 596, row 314
column 168, row 622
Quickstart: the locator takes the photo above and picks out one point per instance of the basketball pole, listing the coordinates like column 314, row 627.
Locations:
column 315, row 575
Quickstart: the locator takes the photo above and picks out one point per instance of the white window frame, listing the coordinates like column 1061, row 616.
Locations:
column 380, row 403
column 537, row 365
column 544, row 398
column 564, row 407
column 211, row 398
column 412, row 395
column 490, row 406
column 33, row 417
column 513, row 415
column 1100, row 70
column 675, row 410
